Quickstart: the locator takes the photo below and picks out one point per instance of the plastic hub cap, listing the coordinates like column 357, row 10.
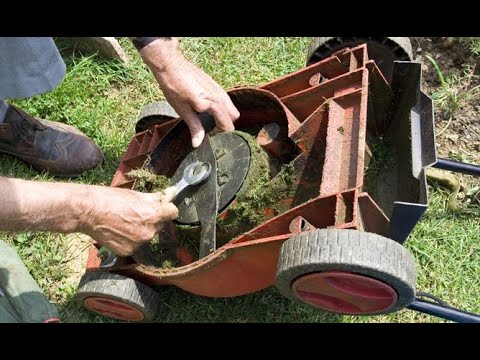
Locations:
column 344, row 292
column 113, row 308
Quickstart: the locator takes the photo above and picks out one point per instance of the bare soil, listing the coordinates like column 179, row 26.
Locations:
column 461, row 140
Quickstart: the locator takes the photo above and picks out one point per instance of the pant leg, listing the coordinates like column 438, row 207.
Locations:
column 23, row 299
column 29, row 66
column 3, row 110
column 8, row 314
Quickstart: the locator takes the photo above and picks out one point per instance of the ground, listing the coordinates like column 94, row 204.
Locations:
column 461, row 139
column 103, row 98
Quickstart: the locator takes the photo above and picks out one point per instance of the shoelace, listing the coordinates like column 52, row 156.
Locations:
column 27, row 127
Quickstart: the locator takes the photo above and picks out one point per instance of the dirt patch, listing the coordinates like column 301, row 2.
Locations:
column 461, row 139
column 77, row 255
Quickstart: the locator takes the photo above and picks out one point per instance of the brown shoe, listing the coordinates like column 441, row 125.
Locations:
column 57, row 148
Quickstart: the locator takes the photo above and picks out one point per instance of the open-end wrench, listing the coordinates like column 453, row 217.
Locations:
column 193, row 174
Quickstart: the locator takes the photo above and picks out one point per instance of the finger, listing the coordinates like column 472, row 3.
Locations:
column 222, row 118
column 215, row 130
column 194, row 125
column 231, row 108
column 124, row 250
column 166, row 212
column 168, row 194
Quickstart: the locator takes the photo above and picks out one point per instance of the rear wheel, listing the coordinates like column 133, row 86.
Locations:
column 117, row 297
column 347, row 272
column 384, row 50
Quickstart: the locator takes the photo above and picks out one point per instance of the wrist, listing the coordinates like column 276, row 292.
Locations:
column 162, row 54
column 83, row 204
column 141, row 42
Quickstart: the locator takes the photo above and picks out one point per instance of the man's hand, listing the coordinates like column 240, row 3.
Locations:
column 188, row 89
column 123, row 220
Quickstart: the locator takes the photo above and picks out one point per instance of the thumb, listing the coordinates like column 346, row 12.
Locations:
column 166, row 195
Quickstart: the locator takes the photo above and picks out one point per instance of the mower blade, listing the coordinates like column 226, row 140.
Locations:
column 206, row 200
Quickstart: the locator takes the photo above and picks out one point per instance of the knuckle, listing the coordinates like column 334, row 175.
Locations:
column 200, row 104
column 129, row 250
column 146, row 235
column 173, row 212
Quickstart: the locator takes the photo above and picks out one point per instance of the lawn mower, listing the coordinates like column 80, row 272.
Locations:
column 315, row 192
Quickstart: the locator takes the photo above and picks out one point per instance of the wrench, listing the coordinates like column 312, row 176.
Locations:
column 191, row 178
column 193, row 174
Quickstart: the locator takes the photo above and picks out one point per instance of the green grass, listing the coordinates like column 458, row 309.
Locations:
column 103, row 98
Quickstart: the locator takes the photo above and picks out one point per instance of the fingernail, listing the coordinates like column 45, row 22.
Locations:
column 197, row 140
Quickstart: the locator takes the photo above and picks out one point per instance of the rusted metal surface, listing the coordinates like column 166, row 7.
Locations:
column 233, row 270
column 373, row 219
column 323, row 108
column 299, row 224
column 258, row 107
column 139, row 148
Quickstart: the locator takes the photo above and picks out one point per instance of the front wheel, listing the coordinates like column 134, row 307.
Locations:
column 117, row 297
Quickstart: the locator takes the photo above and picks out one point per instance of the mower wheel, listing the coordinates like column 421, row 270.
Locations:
column 384, row 50
column 153, row 114
column 117, row 297
column 346, row 271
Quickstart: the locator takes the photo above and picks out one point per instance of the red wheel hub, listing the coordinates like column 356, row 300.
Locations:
column 344, row 292
column 113, row 308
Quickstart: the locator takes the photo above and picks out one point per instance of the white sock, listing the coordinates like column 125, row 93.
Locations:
column 3, row 110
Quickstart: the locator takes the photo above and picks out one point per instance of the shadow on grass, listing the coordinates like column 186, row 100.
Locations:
column 266, row 306
column 178, row 306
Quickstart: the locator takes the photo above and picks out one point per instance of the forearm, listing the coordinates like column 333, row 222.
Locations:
column 41, row 206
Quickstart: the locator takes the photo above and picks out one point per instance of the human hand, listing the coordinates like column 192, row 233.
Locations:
column 188, row 89
column 123, row 220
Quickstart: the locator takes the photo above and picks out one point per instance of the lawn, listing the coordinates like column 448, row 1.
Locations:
column 102, row 98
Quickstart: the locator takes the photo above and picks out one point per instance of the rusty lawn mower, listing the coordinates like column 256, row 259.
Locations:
column 315, row 192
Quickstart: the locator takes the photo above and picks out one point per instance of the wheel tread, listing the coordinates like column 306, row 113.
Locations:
column 347, row 250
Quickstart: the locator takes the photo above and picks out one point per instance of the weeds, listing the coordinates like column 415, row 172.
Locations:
column 454, row 91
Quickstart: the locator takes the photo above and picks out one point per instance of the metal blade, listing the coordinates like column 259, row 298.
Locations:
column 206, row 200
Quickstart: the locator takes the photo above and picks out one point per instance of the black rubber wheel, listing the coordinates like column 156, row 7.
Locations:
column 154, row 113
column 347, row 272
column 117, row 297
column 384, row 50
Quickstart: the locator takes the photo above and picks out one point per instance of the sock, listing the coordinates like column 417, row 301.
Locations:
column 3, row 110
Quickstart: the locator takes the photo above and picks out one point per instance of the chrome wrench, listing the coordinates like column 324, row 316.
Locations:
column 193, row 174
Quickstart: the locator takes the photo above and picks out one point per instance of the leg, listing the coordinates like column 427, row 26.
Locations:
column 3, row 110
column 21, row 299
column 31, row 66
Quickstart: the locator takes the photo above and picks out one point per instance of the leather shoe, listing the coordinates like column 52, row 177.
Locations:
column 60, row 149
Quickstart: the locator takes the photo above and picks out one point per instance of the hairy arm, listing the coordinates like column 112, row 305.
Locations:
column 119, row 218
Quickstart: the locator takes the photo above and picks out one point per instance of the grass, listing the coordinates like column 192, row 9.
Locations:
column 471, row 43
column 103, row 98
